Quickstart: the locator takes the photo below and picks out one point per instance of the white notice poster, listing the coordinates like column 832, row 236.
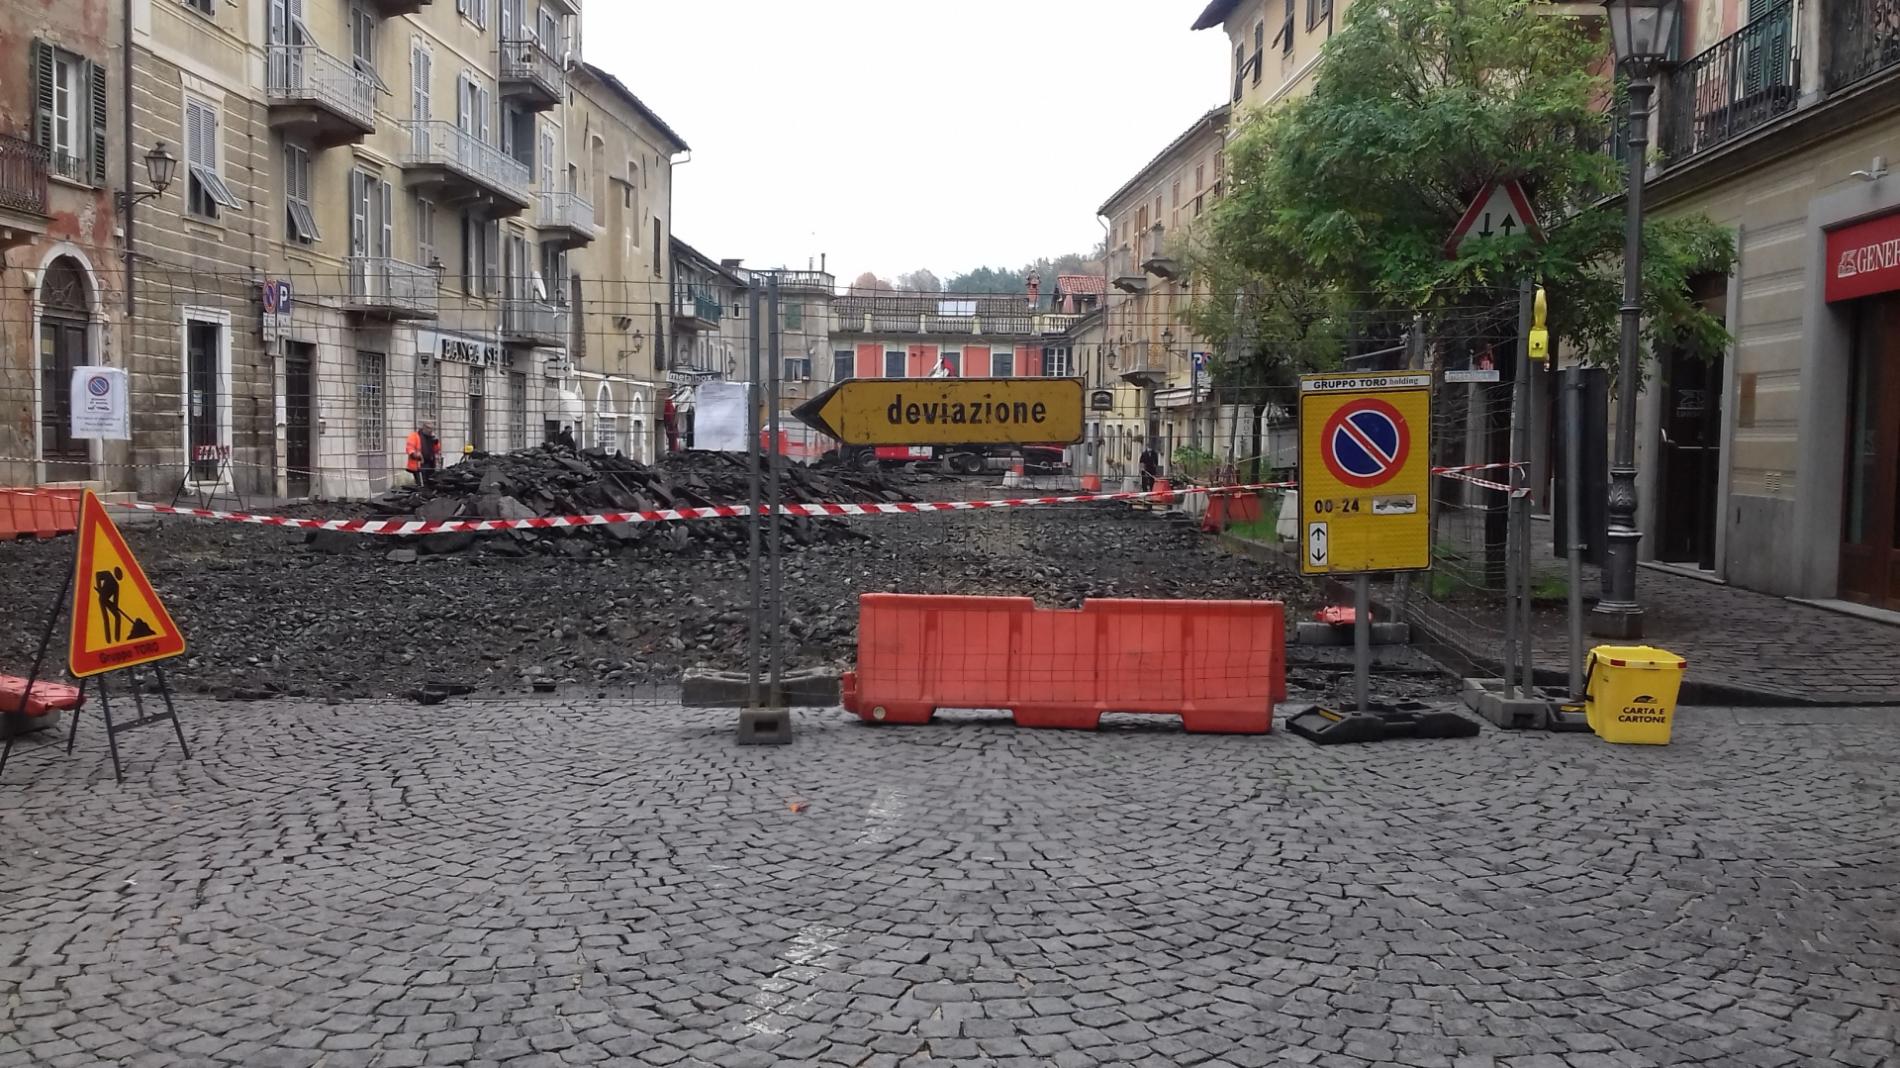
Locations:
column 101, row 404
column 719, row 416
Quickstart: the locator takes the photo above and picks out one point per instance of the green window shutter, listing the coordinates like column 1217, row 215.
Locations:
column 96, row 85
column 43, row 78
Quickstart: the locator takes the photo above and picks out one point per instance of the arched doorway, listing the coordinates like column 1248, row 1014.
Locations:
column 606, row 420
column 64, row 307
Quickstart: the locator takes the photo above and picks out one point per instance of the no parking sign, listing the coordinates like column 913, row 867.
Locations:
column 1365, row 473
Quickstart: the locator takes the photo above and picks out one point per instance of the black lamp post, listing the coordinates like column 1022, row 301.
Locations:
column 1642, row 31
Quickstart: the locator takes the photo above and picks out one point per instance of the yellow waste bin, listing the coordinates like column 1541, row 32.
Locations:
column 1630, row 693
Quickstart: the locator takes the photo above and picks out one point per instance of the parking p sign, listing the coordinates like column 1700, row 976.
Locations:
column 1365, row 473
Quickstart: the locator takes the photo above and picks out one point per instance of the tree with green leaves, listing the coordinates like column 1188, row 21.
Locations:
column 1417, row 106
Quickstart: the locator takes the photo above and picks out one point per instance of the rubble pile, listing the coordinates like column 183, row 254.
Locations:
column 551, row 480
column 266, row 615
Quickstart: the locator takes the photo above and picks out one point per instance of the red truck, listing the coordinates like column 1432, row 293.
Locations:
column 963, row 459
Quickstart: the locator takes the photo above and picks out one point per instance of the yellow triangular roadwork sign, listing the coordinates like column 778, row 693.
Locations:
column 118, row 620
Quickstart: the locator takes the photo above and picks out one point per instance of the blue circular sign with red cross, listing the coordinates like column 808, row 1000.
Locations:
column 1365, row 443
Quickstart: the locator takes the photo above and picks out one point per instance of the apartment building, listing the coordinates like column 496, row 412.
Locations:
column 1777, row 466
column 391, row 212
column 620, row 158
column 1160, row 363
column 924, row 335
column 712, row 328
column 1275, row 44
column 805, row 331
column 62, row 160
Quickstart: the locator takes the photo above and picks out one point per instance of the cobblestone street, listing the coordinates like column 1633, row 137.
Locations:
column 589, row 882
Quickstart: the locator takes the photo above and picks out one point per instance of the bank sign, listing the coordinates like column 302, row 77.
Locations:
column 1864, row 259
column 461, row 348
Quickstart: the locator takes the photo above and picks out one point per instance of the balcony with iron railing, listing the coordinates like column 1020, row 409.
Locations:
column 390, row 288
column 457, row 166
column 1860, row 39
column 1746, row 80
column 533, row 321
column 317, row 97
column 530, row 75
column 564, row 218
column 23, row 203
column 696, row 310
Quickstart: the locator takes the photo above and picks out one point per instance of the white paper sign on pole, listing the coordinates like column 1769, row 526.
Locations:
column 719, row 416
column 101, row 404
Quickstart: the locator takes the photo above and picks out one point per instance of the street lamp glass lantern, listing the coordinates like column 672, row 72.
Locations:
column 1643, row 30
column 160, row 167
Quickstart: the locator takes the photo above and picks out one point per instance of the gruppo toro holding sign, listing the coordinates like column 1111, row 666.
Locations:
column 1365, row 472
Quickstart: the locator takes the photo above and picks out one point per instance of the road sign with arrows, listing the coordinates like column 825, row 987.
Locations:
column 1500, row 210
column 948, row 411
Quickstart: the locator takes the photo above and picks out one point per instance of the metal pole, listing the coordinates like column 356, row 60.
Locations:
column 1573, row 509
column 1617, row 615
column 1527, row 617
column 1362, row 641
column 753, row 519
column 1520, row 477
column 128, row 197
column 775, row 462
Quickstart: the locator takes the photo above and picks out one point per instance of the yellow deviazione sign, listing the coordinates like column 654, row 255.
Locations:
column 1365, row 472
column 949, row 411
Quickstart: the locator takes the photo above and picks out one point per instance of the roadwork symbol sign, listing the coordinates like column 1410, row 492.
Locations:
column 117, row 619
column 1365, row 472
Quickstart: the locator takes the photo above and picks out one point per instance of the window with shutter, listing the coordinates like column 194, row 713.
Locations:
column 425, row 231
column 386, row 235
column 359, row 213
column 421, row 71
column 96, row 134
column 207, row 192
column 300, row 219
column 69, row 113
column 363, row 44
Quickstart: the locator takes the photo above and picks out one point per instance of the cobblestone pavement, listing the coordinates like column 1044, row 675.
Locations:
column 585, row 882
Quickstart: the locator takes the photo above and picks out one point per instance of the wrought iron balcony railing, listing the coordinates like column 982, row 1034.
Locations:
column 1744, row 81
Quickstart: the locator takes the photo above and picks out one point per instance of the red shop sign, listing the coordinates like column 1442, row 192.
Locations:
column 1864, row 259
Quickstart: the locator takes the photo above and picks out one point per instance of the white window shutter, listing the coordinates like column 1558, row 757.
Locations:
column 388, row 246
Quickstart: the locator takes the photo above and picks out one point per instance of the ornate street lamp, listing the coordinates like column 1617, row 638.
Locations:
column 1642, row 31
column 160, row 168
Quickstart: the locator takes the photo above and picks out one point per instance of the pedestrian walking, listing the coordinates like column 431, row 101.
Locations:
column 1150, row 467
column 425, row 453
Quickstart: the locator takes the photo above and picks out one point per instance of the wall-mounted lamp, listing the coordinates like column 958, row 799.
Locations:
column 160, row 168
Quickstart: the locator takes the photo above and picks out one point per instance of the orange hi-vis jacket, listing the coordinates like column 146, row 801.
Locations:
column 414, row 447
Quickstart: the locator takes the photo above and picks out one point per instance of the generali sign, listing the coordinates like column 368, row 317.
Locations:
column 1864, row 259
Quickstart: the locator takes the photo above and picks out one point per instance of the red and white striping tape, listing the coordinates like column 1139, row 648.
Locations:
column 409, row 527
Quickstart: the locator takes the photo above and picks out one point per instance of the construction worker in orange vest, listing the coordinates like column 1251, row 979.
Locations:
column 425, row 453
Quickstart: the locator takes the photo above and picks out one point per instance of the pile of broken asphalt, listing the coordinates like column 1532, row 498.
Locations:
column 355, row 616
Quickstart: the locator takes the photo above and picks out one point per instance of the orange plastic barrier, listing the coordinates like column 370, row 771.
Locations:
column 1091, row 483
column 46, row 696
column 1164, row 491
column 1219, row 665
column 38, row 513
column 1226, row 509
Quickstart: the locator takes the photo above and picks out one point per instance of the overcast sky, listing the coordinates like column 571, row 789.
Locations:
column 895, row 134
